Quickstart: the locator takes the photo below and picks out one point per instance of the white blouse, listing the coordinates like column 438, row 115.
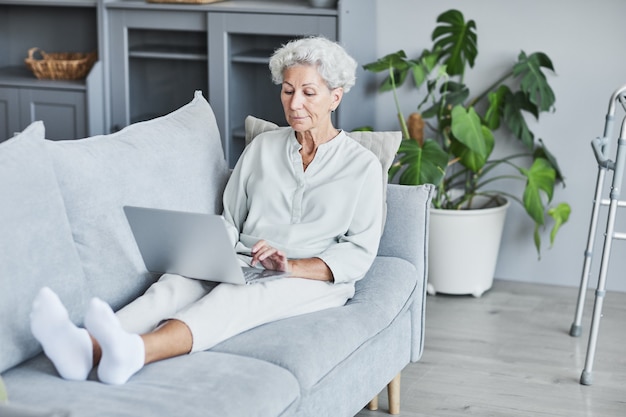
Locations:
column 332, row 211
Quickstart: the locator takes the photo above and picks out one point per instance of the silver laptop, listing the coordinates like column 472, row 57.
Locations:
column 194, row 245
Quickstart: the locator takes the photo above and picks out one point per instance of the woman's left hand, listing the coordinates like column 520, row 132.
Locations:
column 269, row 257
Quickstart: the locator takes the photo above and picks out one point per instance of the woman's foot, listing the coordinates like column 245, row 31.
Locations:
column 122, row 352
column 67, row 346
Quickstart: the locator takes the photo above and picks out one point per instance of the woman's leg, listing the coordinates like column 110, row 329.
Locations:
column 124, row 353
column 222, row 313
column 74, row 351
column 125, row 341
column 172, row 338
column 162, row 300
column 231, row 309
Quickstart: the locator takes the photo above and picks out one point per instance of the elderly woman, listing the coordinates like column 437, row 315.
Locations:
column 307, row 200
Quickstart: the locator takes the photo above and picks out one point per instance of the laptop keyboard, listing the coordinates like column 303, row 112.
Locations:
column 253, row 274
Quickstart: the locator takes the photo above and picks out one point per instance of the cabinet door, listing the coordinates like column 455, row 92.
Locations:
column 9, row 112
column 157, row 59
column 62, row 111
column 240, row 82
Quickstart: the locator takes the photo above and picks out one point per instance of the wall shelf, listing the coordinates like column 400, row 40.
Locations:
column 20, row 76
column 189, row 53
column 258, row 56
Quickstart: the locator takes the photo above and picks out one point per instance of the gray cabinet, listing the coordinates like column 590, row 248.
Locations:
column 60, row 105
column 157, row 59
column 152, row 57
column 62, row 111
column 69, row 109
column 9, row 112
column 63, row 106
column 159, row 54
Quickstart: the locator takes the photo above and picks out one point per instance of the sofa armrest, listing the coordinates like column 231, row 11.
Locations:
column 406, row 236
column 406, row 229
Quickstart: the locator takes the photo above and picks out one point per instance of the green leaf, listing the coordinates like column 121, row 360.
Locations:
column 396, row 65
column 422, row 67
column 496, row 104
column 453, row 93
column 474, row 161
column 419, row 75
column 385, row 63
column 467, row 129
column 540, row 177
column 433, row 111
column 456, row 40
column 537, row 240
column 399, row 76
column 429, row 59
column 422, row 165
column 560, row 214
column 542, row 152
column 476, row 140
column 513, row 117
column 533, row 81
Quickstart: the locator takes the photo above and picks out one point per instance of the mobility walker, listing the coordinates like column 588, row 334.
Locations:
column 601, row 148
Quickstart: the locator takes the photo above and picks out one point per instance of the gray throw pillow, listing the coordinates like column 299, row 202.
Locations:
column 172, row 162
column 36, row 243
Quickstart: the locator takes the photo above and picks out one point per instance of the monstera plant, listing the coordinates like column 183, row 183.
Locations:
column 449, row 139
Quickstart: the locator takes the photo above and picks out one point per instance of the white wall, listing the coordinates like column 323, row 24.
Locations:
column 587, row 44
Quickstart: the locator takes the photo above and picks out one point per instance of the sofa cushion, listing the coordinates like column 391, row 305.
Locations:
column 204, row 384
column 173, row 162
column 21, row 410
column 314, row 349
column 36, row 243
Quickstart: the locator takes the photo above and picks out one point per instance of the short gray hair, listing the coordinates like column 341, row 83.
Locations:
column 333, row 63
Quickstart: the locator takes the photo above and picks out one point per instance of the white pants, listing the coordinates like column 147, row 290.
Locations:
column 215, row 312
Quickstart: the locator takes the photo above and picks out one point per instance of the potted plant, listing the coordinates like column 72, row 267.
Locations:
column 448, row 141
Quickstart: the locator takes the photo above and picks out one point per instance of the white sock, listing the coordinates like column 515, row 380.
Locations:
column 67, row 346
column 122, row 352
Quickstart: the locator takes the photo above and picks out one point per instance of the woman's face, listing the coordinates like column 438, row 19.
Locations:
column 307, row 100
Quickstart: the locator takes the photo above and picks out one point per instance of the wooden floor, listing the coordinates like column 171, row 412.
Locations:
column 509, row 353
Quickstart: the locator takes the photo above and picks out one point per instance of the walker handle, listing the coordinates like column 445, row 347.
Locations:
column 603, row 161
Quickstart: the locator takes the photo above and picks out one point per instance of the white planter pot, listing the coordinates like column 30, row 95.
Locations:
column 463, row 249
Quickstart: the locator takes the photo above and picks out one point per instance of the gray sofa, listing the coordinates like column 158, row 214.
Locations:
column 62, row 226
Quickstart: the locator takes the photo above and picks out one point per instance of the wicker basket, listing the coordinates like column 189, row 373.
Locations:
column 60, row 65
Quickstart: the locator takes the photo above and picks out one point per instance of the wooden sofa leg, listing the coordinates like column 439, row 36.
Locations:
column 393, row 392
column 373, row 405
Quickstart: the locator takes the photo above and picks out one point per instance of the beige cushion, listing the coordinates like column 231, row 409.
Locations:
column 255, row 126
column 383, row 144
column 3, row 392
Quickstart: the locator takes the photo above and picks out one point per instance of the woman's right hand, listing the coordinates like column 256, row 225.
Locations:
column 269, row 257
